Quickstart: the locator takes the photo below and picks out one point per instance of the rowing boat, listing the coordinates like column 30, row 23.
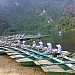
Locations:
column 49, row 64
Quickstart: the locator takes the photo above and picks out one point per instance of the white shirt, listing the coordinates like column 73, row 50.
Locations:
column 59, row 50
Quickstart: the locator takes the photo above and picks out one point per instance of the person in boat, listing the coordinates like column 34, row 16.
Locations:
column 41, row 45
column 22, row 36
column 23, row 44
column 49, row 48
column 19, row 43
column 59, row 50
column 9, row 42
column 34, row 44
column 39, row 37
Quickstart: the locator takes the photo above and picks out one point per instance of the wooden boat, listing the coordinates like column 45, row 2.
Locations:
column 57, row 67
column 25, row 61
column 63, row 67
column 1, row 50
column 69, row 64
column 19, row 55
column 49, row 64
column 57, row 70
column 53, row 68
column 29, row 53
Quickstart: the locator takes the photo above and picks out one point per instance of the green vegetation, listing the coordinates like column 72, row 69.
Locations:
column 66, row 23
column 34, row 16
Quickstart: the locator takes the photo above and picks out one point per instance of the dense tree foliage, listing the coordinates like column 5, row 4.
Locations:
column 65, row 24
column 33, row 16
column 4, row 26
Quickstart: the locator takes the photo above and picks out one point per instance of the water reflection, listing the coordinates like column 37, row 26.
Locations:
column 60, row 33
column 67, row 40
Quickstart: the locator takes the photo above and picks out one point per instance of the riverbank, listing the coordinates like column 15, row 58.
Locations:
column 9, row 66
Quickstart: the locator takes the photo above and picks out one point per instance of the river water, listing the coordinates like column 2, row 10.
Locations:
column 66, row 39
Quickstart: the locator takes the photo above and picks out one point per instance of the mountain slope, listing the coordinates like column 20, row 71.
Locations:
column 32, row 16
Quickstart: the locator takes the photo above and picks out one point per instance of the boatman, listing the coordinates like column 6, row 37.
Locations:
column 23, row 44
column 19, row 43
column 41, row 45
column 59, row 50
column 49, row 47
column 34, row 44
column 39, row 37
column 9, row 42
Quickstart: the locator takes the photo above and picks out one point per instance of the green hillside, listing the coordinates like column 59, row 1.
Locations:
column 33, row 16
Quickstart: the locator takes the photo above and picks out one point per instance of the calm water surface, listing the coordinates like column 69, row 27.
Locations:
column 66, row 39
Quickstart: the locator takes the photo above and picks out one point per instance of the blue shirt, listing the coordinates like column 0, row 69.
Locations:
column 60, row 50
column 50, row 48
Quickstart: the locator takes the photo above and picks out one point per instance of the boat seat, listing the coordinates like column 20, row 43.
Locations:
column 17, row 56
column 68, row 58
column 69, row 65
column 24, row 60
column 58, row 60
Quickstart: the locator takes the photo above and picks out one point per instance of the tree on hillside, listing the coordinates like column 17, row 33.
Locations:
column 3, row 25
